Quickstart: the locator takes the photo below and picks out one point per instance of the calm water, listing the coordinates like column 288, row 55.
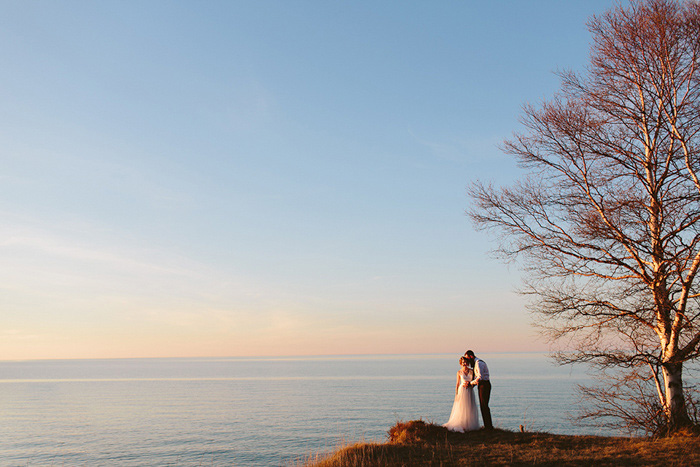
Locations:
column 264, row 411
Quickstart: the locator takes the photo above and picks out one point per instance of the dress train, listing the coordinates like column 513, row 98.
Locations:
column 464, row 415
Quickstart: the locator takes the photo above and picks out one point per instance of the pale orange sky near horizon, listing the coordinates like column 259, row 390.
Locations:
column 203, row 334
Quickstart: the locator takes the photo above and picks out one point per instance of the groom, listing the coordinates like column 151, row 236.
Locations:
column 482, row 380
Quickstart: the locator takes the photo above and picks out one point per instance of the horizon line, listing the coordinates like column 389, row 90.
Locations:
column 272, row 357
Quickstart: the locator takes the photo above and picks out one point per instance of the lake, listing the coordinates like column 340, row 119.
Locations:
column 252, row 411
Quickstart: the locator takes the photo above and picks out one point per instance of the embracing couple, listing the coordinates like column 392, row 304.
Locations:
column 464, row 416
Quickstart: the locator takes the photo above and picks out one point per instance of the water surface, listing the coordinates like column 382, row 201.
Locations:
column 251, row 411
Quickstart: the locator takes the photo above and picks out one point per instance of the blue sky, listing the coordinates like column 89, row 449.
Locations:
column 263, row 177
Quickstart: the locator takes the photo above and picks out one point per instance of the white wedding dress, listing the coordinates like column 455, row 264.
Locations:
column 464, row 416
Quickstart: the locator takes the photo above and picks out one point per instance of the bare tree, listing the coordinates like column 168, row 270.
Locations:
column 607, row 219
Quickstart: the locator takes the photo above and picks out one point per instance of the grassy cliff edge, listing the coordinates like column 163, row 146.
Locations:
column 420, row 443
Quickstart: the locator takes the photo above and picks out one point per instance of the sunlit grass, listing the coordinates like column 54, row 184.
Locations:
column 420, row 443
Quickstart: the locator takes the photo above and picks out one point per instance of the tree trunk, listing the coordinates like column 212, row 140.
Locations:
column 676, row 412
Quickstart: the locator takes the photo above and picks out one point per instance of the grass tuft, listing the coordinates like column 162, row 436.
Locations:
column 417, row 432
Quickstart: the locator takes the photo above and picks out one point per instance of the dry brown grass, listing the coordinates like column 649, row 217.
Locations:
column 419, row 443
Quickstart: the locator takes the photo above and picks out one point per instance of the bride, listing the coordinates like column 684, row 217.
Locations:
column 464, row 416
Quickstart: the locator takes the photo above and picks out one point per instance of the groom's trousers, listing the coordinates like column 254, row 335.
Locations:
column 484, row 396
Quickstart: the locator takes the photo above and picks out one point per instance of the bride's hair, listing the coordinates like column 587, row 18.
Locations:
column 464, row 360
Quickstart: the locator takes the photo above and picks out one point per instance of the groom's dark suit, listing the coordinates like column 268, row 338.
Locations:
column 481, row 373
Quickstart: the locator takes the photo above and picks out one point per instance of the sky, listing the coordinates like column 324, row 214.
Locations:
column 264, row 178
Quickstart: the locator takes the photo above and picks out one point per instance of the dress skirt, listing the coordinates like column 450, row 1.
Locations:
column 465, row 415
